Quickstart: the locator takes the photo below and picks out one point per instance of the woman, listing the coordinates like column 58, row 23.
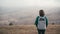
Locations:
column 41, row 22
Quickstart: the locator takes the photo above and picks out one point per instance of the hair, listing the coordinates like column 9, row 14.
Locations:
column 41, row 12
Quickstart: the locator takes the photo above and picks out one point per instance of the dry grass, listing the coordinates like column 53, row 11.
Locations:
column 53, row 29
column 28, row 29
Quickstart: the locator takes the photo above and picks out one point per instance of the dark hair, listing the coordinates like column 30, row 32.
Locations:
column 41, row 13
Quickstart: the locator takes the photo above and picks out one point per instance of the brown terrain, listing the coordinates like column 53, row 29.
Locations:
column 28, row 29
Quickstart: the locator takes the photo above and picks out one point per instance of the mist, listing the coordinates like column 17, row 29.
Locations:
column 25, row 11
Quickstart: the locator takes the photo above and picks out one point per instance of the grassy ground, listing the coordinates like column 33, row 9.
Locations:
column 28, row 29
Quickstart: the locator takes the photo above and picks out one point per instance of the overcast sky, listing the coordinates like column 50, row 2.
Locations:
column 25, row 3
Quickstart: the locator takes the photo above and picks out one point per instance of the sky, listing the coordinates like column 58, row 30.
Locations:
column 28, row 3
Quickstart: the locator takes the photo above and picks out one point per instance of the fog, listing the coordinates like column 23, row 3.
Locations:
column 25, row 11
column 28, row 3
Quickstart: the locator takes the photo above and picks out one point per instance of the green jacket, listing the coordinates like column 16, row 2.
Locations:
column 36, row 21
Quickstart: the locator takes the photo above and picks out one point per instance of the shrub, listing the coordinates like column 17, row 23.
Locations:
column 10, row 24
column 53, row 23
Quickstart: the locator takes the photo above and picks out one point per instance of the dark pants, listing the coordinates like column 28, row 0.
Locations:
column 41, row 31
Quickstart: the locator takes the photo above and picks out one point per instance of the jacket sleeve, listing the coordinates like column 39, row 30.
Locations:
column 36, row 21
column 46, row 22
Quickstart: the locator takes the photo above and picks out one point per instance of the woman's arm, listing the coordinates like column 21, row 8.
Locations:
column 46, row 22
column 36, row 21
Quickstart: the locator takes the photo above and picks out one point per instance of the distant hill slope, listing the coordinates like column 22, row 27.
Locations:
column 54, row 16
column 28, row 15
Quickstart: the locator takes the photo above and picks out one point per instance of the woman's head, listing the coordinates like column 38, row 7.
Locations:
column 41, row 13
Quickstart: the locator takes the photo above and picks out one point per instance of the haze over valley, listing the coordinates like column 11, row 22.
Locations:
column 26, row 16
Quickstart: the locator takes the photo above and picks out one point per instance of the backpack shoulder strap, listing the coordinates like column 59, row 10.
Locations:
column 45, row 17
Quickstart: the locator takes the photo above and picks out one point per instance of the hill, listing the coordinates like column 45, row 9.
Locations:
column 28, row 29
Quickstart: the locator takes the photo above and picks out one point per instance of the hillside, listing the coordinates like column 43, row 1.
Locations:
column 54, row 16
column 28, row 29
column 19, row 16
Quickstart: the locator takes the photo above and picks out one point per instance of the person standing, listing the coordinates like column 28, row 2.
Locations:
column 41, row 22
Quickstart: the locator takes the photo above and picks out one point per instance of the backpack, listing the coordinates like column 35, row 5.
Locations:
column 41, row 22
